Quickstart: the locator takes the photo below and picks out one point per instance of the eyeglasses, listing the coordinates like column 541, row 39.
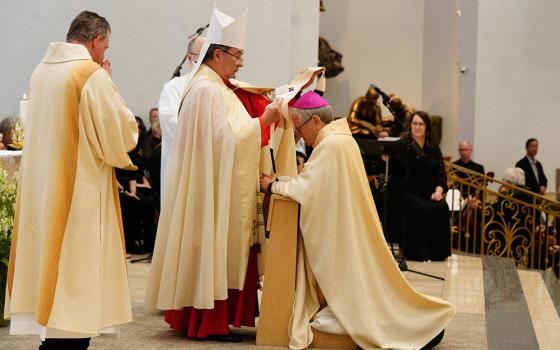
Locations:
column 418, row 125
column 239, row 58
column 298, row 128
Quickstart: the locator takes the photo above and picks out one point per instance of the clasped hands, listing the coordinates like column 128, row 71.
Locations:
column 266, row 181
column 438, row 194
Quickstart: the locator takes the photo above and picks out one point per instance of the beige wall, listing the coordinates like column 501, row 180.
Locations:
column 382, row 43
column 518, row 83
column 405, row 46
column 149, row 39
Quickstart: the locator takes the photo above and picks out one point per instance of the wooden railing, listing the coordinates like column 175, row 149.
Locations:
column 491, row 217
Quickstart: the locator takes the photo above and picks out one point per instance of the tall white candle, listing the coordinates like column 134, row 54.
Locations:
column 23, row 108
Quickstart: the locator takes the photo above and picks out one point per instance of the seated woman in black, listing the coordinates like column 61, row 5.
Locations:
column 419, row 217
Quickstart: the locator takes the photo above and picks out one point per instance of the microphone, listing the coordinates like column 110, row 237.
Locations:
column 177, row 72
column 383, row 95
column 198, row 32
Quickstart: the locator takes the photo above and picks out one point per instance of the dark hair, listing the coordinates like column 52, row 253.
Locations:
column 141, row 124
column 529, row 141
column 88, row 26
column 407, row 134
column 210, row 53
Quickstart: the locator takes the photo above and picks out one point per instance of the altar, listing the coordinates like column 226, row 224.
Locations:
column 10, row 161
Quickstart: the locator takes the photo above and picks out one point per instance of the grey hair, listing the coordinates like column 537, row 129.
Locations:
column 190, row 46
column 514, row 176
column 87, row 26
column 325, row 113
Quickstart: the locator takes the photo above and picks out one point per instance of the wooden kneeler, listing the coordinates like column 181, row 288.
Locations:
column 280, row 281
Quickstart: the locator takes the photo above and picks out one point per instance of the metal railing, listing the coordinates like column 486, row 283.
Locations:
column 492, row 217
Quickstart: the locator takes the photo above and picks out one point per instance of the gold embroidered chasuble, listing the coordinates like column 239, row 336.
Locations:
column 208, row 214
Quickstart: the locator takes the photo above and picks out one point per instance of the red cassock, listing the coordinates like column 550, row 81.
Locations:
column 241, row 306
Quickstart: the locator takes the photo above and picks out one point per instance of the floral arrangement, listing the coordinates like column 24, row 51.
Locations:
column 8, row 191
column 17, row 135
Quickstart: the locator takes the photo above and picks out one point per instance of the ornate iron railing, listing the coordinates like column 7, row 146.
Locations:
column 491, row 217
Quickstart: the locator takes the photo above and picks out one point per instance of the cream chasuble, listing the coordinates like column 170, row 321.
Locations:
column 67, row 274
column 208, row 213
column 345, row 251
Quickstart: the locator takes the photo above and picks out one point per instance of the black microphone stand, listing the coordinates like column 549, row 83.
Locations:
column 401, row 261
column 199, row 31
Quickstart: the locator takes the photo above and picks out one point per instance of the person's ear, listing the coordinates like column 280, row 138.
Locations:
column 95, row 42
column 316, row 118
column 217, row 54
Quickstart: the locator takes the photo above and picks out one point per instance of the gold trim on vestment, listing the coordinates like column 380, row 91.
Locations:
column 64, row 186
column 13, row 247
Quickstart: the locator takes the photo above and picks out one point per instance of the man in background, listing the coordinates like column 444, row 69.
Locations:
column 535, row 178
column 465, row 160
column 153, row 115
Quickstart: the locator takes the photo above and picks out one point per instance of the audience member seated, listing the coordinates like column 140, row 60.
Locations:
column 138, row 202
column 138, row 207
column 419, row 217
column 465, row 161
column 154, row 162
column 510, row 221
column 6, row 127
column 150, row 141
column 535, row 179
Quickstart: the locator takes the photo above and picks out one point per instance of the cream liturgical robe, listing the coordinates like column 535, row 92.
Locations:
column 209, row 206
column 67, row 275
column 345, row 251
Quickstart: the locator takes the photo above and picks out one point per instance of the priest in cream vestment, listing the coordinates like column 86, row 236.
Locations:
column 204, row 264
column 67, row 275
column 343, row 250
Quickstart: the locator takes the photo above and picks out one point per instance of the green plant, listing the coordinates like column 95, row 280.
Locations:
column 8, row 191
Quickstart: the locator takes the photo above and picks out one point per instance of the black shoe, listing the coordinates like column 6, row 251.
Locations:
column 434, row 342
column 223, row 338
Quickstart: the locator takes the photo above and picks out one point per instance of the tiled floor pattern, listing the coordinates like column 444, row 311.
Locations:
column 463, row 286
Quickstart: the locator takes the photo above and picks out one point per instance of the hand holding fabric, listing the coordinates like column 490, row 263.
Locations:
column 272, row 112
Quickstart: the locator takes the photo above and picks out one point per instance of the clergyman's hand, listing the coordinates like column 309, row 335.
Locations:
column 107, row 66
column 313, row 77
column 272, row 112
column 265, row 181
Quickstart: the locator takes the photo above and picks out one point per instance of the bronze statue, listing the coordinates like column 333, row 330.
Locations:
column 365, row 114
column 330, row 59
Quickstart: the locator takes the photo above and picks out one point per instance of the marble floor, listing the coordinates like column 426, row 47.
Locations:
column 463, row 285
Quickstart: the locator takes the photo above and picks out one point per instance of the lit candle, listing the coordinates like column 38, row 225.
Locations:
column 23, row 108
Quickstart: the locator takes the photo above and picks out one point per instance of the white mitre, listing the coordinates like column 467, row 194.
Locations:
column 223, row 30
